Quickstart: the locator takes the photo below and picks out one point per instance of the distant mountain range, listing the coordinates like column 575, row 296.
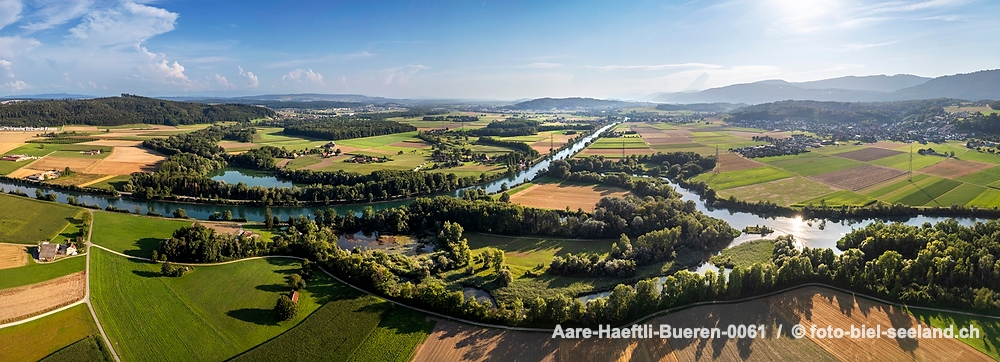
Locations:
column 571, row 104
column 972, row 86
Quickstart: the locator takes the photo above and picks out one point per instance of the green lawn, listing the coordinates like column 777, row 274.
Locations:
column 746, row 254
column 730, row 179
column 114, row 183
column 879, row 192
column 961, row 195
column 989, row 338
column 351, row 328
column 525, row 253
column 377, row 141
column 924, row 194
column 37, row 273
column 210, row 314
column 842, row 197
column 89, row 349
column 28, row 221
column 133, row 234
column 616, row 143
column 810, row 164
column 73, row 151
column 974, row 155
column 785, row 191
column 302, row 162
column 989, row 198
column 984, row 177
column 34, row 340
column 902, row 161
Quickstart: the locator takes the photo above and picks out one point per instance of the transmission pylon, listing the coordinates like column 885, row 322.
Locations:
column 717, row 161
column 909, row 176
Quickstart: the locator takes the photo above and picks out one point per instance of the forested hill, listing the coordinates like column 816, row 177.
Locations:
column 127, row 109
column 841, row 112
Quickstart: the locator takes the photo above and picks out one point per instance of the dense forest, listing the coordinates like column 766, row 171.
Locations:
column 345, row 128
column 127, row 109
column 841, row 112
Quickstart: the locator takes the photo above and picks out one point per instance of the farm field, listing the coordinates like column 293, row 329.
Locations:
column 731, row 179
column 28, row 221
column 810, row 164
column 33, row 341
column 989, row 343
column 13, row 256
column 35, row 272
column 133, row 234
column 452, row 341
column 525, row 253
column 25, row 301
column 196, row 316
column 89, row 349
column 562, row 195
column 824, row 307
column 377, row 331
column 786, row 191
column 839, row 198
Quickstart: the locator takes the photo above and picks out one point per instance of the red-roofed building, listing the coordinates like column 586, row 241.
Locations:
column 295, row 296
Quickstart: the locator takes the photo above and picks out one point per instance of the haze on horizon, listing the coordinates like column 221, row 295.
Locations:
column 478, row 49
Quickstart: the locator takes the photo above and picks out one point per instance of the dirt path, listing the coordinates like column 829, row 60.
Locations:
column 41, row 297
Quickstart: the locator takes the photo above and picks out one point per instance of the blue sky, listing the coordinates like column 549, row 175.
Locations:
column 478, row 49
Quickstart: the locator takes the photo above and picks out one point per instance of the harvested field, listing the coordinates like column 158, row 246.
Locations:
column 12, row 140
column 13, row 256
column 808, row 306
column 859, row 177
column 28, row 300
column 418, row 144
column 558, row 140
column 284, row 162
column 613, row 153
column 558, row 196
column 60, row 163
column 868, row 154
column 113, row 143
column 735, row 162
column 952, row 168
column 126, row 160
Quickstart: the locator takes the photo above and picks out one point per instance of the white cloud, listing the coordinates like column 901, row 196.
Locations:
column 162, row 70
column 541, row 65
column 400, row 75
column 299, row 76
column 656, row 66
column 223, row 82
column 862, row 46
column 130, row 23
column 57, row 12
column 5, row 65
column 15, row 86
column 254, row 82
column 10, row 12
column 12, row 46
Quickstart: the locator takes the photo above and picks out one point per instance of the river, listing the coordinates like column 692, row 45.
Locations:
column 256, row 213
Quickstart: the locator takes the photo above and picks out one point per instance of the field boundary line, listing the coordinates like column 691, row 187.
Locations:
column 88, row 183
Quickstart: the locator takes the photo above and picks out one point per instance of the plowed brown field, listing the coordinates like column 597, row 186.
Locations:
column 28, row 300
column 12, row 256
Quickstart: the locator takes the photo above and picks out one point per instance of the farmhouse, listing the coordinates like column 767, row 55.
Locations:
column 17, row 158
column 91, row 152
column 295, row 296
column 47, row 251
